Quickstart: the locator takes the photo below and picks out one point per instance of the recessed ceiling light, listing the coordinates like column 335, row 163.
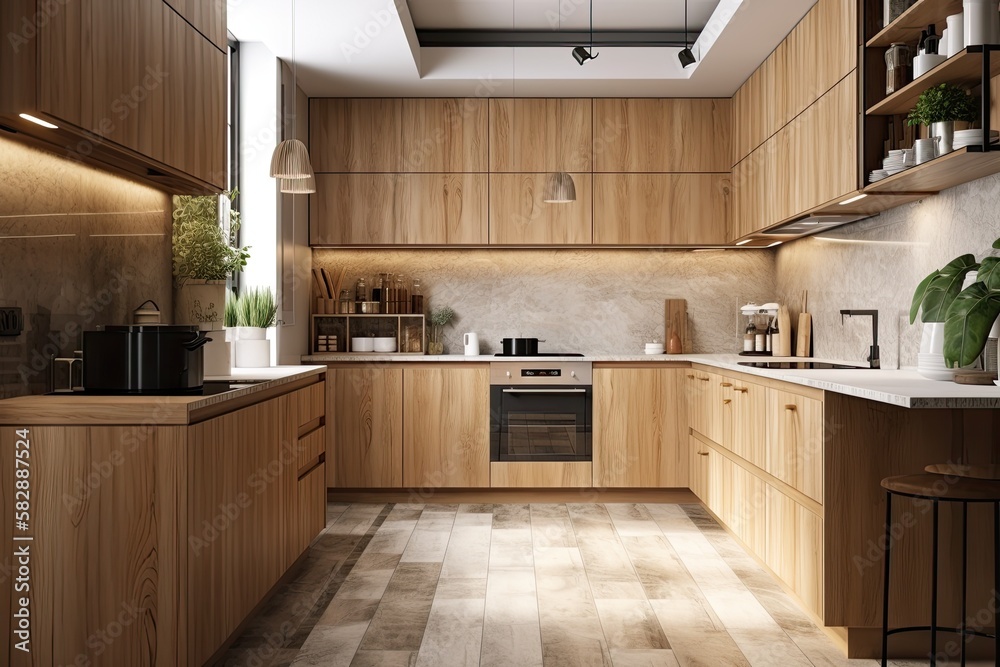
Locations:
column 39, row 121
column 852, row 200
column 744, row 242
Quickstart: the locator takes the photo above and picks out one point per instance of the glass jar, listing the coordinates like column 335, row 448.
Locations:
column 417, row 297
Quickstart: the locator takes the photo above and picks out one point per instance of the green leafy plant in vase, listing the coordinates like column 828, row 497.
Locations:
column 205, row 255
column 939, row 108
column 972, row 315
column 440, row 318
column 933, row 297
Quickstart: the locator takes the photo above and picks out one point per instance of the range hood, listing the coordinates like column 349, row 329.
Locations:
column 810, row 224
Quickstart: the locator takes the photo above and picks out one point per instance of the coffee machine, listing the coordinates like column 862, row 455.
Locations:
column 759, row 324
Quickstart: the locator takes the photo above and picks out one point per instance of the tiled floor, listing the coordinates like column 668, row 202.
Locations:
column 521, row 585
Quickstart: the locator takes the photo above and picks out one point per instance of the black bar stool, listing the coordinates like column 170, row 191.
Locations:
column 944, row 483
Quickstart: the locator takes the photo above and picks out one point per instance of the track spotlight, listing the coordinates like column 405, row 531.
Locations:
column 581, row 55
column 685, row 56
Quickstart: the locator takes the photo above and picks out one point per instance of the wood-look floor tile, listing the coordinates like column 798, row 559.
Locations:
column 630, row 624
column 385, row 659
column 392, row 537
column 365, row 585
column 506, row 644
column 511, row 516
column 624, row 657
column 476, row 508
column 356, row 519
column 401, row 617
column 454, row 634
column 659, row 568
column 375, row 560
column 578, row 653
column 346, row 611
column 511, row 547
column 331, row 645
column 766, row 649
column 700, row 648
column 686, row 614
column 450, row 588
column 468, row 553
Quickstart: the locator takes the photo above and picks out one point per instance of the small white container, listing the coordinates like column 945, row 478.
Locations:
column 956, row 34
column 927, row 62
column 981, row 22
column 384, row 344
column 363, row 344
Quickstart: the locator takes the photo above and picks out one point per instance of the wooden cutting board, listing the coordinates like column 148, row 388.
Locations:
column 784, row 348
column 975, row 377
column 803, row 342
column 676, row 324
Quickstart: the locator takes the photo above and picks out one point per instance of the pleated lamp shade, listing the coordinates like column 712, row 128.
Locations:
column 290, row 160
column 559, row 188
column 298, row 186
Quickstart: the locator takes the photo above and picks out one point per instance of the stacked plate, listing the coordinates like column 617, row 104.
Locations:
column 965, row 138
column 878, row 175
column 895, row 163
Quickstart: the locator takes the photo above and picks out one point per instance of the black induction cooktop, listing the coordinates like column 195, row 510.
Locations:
column 800, row 365
column 541, row 354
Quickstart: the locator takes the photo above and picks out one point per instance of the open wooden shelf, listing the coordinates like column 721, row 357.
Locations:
column 907, row 26
column 955, row 168
column 965, row 67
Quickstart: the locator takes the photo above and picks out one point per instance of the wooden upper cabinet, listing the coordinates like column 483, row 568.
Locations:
column 207, row 16
column 541, row 135
column 820, row 51
column 356, row 135
column 445, row 135
column 662, row 135
column 518, row 216
column 661, row 209
column 399, row 209
column 753, row 112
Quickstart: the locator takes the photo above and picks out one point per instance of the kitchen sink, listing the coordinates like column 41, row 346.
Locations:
column 802, row 365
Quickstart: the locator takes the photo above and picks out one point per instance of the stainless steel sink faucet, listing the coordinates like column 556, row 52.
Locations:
column 873, row 356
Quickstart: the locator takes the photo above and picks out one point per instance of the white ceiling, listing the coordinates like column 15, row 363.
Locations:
column 556, row 14
column 362, row 48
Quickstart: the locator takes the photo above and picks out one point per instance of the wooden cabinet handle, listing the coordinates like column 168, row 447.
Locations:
column 725, row 384
column 702, row 453
column 791, row 408
column 742, row 390
column 703, row 379
column 727, row 401
column 690, row 376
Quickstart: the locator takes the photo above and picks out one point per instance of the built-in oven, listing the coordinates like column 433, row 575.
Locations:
column 541, row 410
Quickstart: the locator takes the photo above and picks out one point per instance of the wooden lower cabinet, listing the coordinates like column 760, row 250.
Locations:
column 704, row 403
column 698, row 466
column 541, row 474
column 446, row 426
column 639, row 418
column 748, row 426
column 795, row 441
column 365, row 446
column 310, row 519
column 794, row 547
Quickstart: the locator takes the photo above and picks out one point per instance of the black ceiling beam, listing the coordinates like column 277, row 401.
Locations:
column 510, row 38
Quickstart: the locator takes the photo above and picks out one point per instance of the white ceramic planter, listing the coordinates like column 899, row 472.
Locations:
column 250, row 333
column 253, row 353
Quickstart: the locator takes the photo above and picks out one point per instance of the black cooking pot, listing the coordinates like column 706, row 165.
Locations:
column 144, row 359
column 520, row 347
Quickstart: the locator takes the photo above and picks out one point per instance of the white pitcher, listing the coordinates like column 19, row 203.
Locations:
column 471, row 341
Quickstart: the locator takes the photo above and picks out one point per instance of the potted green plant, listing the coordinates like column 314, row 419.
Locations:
column 973, row 314
column 204, row 256
column 440, row 318
column 931, row 301
column 939, row 108
column 256, row 312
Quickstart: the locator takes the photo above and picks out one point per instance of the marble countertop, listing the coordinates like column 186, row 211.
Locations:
column 83, row 409
column 903, row 387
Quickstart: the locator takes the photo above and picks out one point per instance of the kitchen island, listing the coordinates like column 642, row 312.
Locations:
column 145, row 530
column 788, row 461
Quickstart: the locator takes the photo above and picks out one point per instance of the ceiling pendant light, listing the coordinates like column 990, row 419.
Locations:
column 686, row 56
column 559, row 188
column 290, row 159
column 298, row 186
column 581, row 54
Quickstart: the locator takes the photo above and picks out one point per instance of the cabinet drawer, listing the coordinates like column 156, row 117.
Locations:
column 310, row 403
column 310, row 447
column 794, row 547
column 795, row 441
column 541, row 474
column 748, row 427
column 311, row 517
column 705, row 403
column 698, row 461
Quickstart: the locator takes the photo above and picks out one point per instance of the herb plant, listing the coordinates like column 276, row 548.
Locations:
column 202, row 248
column 256, row 308
column 944, row 103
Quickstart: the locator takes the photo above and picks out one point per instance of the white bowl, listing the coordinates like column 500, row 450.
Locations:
column 363, row 344
column 385, row 344
column 654, row 351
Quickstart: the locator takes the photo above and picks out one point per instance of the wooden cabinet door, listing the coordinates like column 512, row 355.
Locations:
column 541, row 135
column 310, row 517
column 749, row 421
column 207, row 17
column 59, row 63
column 446, row 426
column 795, row 441
column 639, row 438
column 230, row 568
column 365, row 448
column 444, row 135
column 704, row 399
column 661, row 209
column 753, row 112
column 662, row 135
column 356, row 135
column 518, row 216
column 399, row 209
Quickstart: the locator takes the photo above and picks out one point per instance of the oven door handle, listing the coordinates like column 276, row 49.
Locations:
column 544, row 391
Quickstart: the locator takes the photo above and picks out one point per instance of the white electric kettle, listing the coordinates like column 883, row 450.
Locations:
column 471, row 344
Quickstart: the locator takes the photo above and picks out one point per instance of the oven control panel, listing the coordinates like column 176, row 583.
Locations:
column 514, row 373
